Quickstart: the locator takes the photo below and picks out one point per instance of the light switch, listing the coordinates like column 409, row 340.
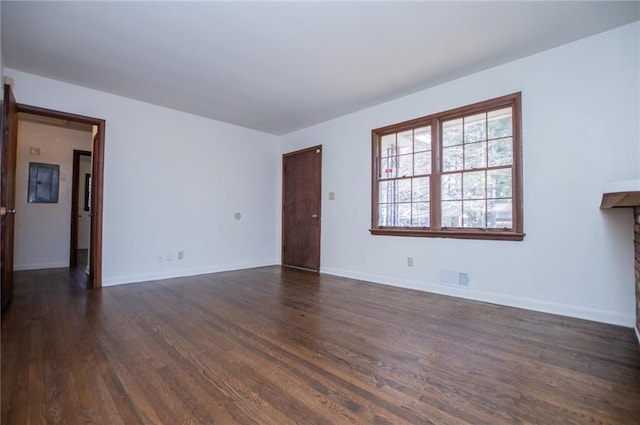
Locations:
column 332, row 196
column 34, row 151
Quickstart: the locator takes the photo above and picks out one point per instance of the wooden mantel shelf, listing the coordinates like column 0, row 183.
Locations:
column 621, row 194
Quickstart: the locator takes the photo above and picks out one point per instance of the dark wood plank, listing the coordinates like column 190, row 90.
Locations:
column 283, row 346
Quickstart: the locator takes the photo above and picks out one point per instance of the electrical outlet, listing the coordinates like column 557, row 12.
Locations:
column 160, row 258
column 180, row 255
column 410, row 261
column 169, row 256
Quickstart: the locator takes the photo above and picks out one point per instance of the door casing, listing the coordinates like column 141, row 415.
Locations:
column 97, row 182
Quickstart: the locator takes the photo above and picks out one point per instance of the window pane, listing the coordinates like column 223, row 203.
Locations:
column 387, row 191
column 452, row 132
column 473, row 185
column 388, row 145
column 405, row 165
column 422, row 163
column 404, row 190
column 475, row 155
column 421, row 189
column 500, row 152
column 452, row 214
column 500, row 123
column 474, row 213
column 422, row 139
column 475, row 128
column 452, row 158
column 405, row 142
column 499, row 214
column 404, row 215
column 387, row 214
column 499, row 183
column 388, row 167
column 452, row 186
column 420, row 216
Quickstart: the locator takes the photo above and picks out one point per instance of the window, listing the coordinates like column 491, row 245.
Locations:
column 453, row 174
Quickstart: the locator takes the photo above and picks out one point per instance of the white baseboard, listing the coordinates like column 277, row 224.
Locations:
column 40, row 266
column 500, row 299
column 170, row 274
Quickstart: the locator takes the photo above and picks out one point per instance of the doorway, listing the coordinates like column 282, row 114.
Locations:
column 80, row 238
column 301, row 207
column 97, row 173
column 8, row 210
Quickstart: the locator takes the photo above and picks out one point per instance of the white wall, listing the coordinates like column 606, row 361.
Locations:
column 173, row 182
column 42, row 231
column 580, row 120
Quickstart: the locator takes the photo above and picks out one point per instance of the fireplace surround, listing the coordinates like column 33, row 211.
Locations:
column 626, row 194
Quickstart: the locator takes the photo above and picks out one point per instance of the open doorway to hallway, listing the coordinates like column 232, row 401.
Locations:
column 50, row 181
column 80, row 240
column 43, row 229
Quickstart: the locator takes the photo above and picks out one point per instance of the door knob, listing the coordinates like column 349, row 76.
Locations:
column 314, row 216
column 11, row 211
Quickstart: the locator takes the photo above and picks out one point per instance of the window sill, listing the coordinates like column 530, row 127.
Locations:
column 454, row 234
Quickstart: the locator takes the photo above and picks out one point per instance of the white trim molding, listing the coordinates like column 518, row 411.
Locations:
column 493, row 298
column 170, row 274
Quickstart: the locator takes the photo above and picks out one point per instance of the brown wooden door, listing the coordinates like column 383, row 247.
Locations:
column 7, row 188
column 301, row 193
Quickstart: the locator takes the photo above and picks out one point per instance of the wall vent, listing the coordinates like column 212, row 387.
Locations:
column 454, row 278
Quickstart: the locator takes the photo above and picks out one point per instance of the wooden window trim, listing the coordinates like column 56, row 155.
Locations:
column 458, row 233
column 516, row 233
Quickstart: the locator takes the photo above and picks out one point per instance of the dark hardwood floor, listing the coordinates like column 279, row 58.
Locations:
column 283, row 346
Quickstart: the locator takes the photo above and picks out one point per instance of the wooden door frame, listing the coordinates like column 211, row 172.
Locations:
column 97, row 182
column 282, row 244
column 75, row 191
column 9, row 153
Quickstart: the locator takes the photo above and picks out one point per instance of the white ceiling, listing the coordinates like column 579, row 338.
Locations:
column 281, row 66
